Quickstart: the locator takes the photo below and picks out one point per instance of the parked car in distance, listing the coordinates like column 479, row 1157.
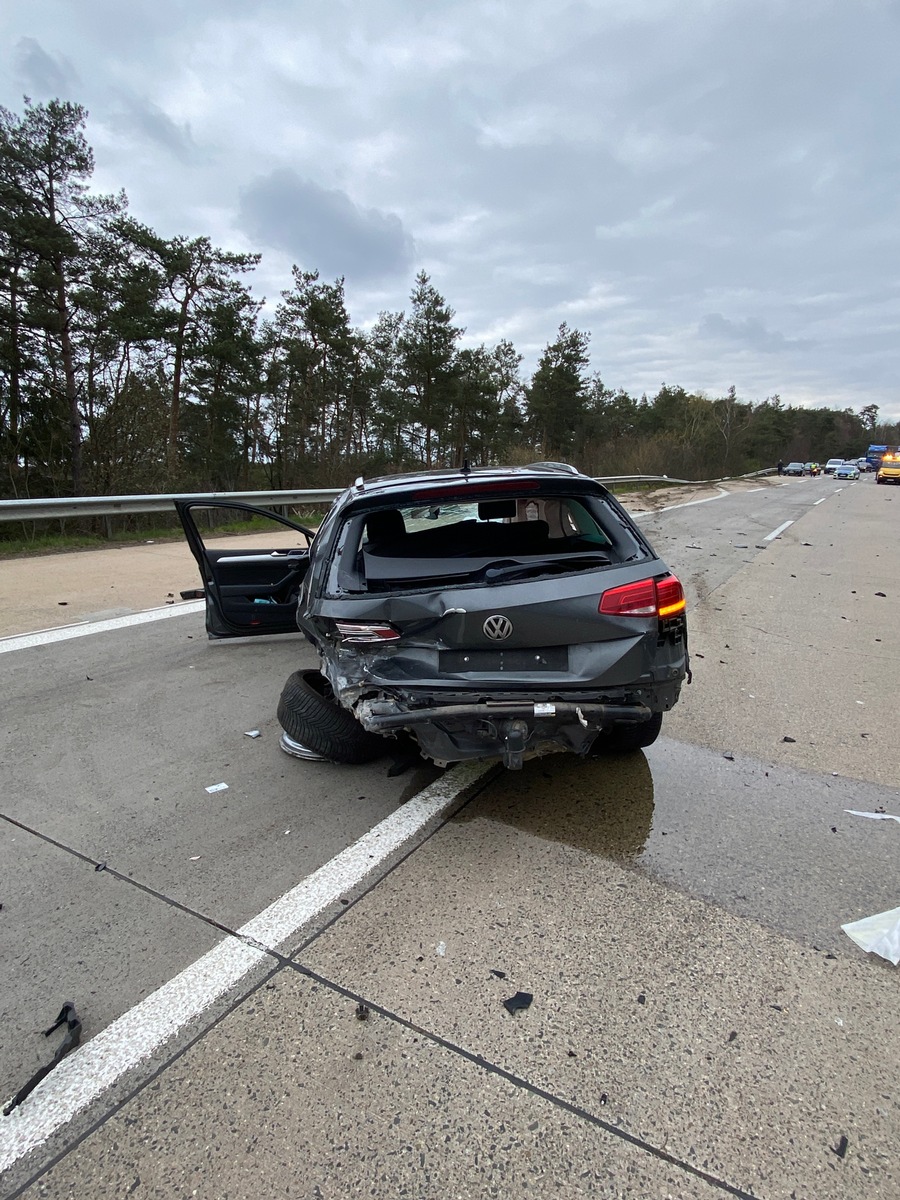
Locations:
column 832, row 465
column 864, row 465
column 795, row 468
column 847, row 470
column 889, row 471
column 488, row 612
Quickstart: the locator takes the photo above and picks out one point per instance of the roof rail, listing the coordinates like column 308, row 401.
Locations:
column 555, row 466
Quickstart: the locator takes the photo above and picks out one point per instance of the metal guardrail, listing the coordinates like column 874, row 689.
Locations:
column 50, row 508
column 107, row 506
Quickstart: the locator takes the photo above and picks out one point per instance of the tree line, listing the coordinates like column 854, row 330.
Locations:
column 133, row 363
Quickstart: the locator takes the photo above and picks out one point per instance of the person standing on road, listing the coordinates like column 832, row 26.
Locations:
column 780, row 467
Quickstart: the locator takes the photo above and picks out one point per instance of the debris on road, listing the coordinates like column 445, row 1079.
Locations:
column 728, row 755
column 878, row 934
column 362, row 1011
column 252, row 733
column 218, row 787
column 71, row 1020
column 519, row 1000
column 440, row 949
column 498, row 974
column 877, row 816
column 841, row 1148
column 788, row 739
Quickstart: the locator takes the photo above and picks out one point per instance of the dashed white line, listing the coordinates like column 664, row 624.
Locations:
column 82, row 1077
column 777, row 532
column 822, row 501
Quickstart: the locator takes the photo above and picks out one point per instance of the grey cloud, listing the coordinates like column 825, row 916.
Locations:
column 145, row 118
column 750, row 333
column 43, row 75
column 322, row 228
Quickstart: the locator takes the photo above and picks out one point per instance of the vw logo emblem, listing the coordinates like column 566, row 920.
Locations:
column 497, row 628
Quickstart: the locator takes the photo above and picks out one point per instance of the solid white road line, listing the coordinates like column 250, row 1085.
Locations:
column 651, row 512
column 822, row 501
column 24, row 641
column 88, row 1071
column 777, row 532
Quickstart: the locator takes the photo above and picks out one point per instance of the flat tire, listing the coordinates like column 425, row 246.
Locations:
column 308, row 713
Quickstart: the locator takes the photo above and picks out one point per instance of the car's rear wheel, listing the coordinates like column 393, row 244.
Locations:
column 309, row 714
column 623, row 739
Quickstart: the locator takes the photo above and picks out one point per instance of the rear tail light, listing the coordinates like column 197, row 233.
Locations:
column 354, row 633
column 645, row 598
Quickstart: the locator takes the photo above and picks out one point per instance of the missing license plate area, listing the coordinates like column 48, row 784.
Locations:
column 459, row 662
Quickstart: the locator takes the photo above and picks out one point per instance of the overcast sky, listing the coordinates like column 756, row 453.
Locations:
column 710, row 187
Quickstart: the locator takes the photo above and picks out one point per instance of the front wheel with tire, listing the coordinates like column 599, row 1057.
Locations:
column 623, row 739
column 309, row 714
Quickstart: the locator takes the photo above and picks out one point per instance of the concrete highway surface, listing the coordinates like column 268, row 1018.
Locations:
column 296, row 985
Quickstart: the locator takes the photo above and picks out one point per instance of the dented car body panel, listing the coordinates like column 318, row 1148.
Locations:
column 493, row 612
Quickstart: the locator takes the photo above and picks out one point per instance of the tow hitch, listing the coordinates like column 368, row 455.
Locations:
column 514, row 742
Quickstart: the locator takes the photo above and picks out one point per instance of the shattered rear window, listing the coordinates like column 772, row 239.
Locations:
column 446, row 540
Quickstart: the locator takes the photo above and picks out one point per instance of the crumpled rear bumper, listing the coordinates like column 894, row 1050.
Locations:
column 510, row 729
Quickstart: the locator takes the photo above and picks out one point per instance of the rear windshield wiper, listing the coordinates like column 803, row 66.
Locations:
column 544, row 566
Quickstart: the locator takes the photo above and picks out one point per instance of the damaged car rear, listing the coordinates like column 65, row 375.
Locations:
column 498, row 612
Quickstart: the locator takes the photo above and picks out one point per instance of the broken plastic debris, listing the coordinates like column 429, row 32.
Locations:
column 69, row 1017
column 788, row 739
column 878, row 934
column 519, row 1000
column 218, row 787
column 841, row 1148
column 196, row 857
column 254, row 733
column 875, row 816
column 440, row 949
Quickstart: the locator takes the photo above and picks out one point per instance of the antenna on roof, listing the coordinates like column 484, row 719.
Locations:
column 465, row 467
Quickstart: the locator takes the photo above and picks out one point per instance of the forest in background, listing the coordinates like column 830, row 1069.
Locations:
column 133, row 363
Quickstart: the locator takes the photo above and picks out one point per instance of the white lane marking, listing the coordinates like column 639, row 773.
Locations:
column 837, row 491
column 46, row 637
column 86, row 1073
column 822, row 501
column 687, row 504
column 749, row 490
column 777, row 532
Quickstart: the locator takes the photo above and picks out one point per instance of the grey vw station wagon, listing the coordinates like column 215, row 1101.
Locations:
column 485, row 612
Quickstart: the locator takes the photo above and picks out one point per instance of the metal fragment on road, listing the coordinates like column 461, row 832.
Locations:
column 252, row 733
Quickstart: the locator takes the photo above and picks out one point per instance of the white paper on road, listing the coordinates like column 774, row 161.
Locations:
column 218, row 787
column 875, row 816
column 879, row 934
